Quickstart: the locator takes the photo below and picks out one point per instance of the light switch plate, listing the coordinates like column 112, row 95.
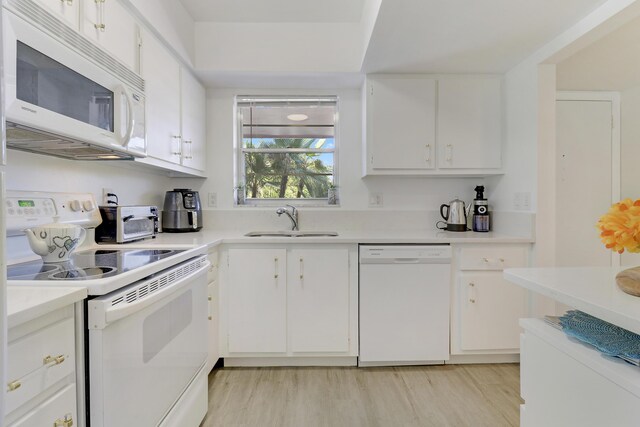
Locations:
column 376, row 200
column 212, row 199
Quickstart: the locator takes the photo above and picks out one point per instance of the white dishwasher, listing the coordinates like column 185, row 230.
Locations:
column 404, row 304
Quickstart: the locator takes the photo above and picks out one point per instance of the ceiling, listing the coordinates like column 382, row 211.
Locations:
column 274, row 11
column 455, row 36
column 347, row 38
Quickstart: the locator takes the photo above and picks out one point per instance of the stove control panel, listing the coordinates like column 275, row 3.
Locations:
column 32, row 208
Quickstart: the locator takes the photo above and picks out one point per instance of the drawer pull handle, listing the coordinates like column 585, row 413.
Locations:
column 50, row 360
column 66, row 422
column 13, row 385
column 485, row 259
column 501, row 260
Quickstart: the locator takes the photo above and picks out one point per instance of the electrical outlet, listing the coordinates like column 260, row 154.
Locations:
column 105, row 198
column 376, row 200
column 517, row 201
column 213, row 200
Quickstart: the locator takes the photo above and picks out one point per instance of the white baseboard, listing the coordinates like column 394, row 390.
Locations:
column 483, row 358
column 289, row 361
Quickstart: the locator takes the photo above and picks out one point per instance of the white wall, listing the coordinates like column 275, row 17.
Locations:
column 398, row 193
column 34, row 172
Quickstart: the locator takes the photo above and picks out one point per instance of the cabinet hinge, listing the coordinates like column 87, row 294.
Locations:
column 371, row 90
column 371, row 159
column 612, row 127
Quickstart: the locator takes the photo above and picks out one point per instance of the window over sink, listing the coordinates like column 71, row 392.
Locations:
column 286, row 149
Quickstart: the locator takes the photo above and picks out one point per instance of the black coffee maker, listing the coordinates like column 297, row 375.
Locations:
column 480, row 219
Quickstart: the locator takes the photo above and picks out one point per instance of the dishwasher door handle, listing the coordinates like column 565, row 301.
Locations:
column 406, row 260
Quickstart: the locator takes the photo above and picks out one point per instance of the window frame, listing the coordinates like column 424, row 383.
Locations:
column 239, row 150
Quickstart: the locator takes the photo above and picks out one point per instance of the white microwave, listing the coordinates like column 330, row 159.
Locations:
column 68, row 99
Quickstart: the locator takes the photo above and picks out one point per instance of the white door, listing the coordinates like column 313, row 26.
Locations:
column 469, row 123
column 318, row 284
column 162, row 78
column 401, row 123
column 193, row 122
column 584, row 180
column 257, row 301
column 111, row 26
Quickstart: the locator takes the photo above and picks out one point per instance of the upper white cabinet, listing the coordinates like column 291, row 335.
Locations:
column 108, row 24
column 161, row 72
column 401, row 124
column 176, row 110
column 193, row 122
column 423, row 125
column 67, row 11
column 469, row 123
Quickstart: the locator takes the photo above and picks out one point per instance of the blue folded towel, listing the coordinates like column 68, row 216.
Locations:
column 610, row 339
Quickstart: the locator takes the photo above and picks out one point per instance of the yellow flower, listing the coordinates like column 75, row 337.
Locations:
column 620, row 227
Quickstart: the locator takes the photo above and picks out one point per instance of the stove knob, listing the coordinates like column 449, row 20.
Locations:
column 88, row 205
column 75, row 205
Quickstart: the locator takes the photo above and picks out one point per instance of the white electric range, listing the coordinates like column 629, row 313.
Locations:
column 142, row 333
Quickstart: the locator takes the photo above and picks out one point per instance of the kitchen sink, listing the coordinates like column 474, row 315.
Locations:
column 291, row 233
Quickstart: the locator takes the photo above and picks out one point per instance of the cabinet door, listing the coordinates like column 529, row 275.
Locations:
column 193, row 122
column 110, row 25
column 401, row 123
column 257, row 301
column 162, row 78
column 489, row 308
column 318, row 284
column 469, row 123
column 67, row 11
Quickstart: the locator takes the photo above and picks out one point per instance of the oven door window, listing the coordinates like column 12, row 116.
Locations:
column 47, row 83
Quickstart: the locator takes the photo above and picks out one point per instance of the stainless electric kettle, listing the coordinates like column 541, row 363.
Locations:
column 455, row 214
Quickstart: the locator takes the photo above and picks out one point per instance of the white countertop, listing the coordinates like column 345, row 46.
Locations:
column 25, row 303
column 589, row 289
column 215, row 237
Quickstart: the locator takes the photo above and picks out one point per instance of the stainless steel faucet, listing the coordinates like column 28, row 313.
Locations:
column 291, row 213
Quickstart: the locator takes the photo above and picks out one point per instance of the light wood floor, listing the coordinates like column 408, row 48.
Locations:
column 450, row 395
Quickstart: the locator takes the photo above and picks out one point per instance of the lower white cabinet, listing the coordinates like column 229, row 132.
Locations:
column 318, row 300
column 567, row 383
column 485, row 307
column 41, row 371
column 289, row 301
column 213, row 351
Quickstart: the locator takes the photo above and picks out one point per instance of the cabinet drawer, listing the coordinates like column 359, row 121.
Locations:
column 38, row 360
column 55, row 408
column 492, row 258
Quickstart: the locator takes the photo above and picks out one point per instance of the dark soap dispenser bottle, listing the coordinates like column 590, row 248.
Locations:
column 480, row 211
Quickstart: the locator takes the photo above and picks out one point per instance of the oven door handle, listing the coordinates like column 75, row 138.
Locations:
column 101, row 313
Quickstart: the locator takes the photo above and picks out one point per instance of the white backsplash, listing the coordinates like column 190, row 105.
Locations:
column 327, row 219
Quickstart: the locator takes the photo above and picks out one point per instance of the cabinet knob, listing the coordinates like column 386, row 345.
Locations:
column 485, row 259
column 501, row 260
column 14, row 385
column 472, row 300
column 209, row 298
column 210, row 318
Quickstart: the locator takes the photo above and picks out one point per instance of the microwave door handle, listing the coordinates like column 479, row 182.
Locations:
column 130, row 118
